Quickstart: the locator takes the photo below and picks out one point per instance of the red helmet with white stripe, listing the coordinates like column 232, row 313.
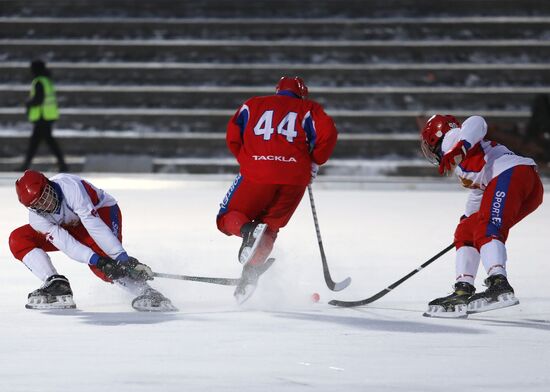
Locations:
column 295, row 84
column 432, row 135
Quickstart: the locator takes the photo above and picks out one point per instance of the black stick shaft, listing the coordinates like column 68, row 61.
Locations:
column 331, row 284
column 318, row 231
column 392, row 286
column 203, row 279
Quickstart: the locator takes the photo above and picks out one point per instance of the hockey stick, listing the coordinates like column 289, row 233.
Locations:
column 334, row 286
column 203, row 279
column 390, row 287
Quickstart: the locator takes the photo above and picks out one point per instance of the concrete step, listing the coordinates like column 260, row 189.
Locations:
column 405, row 28
column 80, row 143
column 268, row 8
column 258, row 74
column 298, row 51
column 215, row 120
column 333, row 98
column 335, row 169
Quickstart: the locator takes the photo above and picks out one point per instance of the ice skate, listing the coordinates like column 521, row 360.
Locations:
column 55, row 293
column 252, row 235
column 499, row 294
column 249, row 280
column 153, row 301
column 454, row 305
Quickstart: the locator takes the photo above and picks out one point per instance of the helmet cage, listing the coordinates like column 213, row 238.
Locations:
column 433, row 133
column 432, row 154
column 48, row 201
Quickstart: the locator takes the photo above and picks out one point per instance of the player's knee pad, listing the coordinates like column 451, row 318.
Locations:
column 464, row 235
column 231, row 222
column 219, row 224
column 21, row 242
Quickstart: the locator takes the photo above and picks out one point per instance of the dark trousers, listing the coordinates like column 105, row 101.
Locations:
column 42, row 130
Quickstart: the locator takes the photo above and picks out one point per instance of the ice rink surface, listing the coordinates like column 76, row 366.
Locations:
column 280, row 340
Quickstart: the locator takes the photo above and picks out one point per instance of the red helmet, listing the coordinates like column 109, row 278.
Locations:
column 35, row 192
column 432, row 135
column 295, row 84
column 30, row 187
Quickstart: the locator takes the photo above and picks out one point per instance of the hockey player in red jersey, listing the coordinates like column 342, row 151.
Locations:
column 279, row 141
column 505, row 188
column 69, row 214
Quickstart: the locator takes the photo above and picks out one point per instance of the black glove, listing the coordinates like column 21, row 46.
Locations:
column 137, row 270
column 119, row 269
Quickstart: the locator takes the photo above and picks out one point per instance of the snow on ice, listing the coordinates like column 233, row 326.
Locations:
column 279, row 340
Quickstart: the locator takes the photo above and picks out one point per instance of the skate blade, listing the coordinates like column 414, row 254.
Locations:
column 145, row 305
column 437, row 311
column 268, row 263
column 60, row 302
column 248, row 252
column 241, row 296
column 482, row 305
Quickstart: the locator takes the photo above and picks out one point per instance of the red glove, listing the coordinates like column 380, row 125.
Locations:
column 453, row 157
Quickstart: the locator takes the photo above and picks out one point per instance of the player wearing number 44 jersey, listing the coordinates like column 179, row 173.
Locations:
column 69, row 214
column 279, row 141
column 505, row 188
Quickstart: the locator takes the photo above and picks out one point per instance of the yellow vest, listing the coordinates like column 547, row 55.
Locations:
column 48, row 109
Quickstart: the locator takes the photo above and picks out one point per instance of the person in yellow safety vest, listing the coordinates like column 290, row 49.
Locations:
column 42, row 112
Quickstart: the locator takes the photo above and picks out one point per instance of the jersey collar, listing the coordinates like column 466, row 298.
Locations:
column 287, row 93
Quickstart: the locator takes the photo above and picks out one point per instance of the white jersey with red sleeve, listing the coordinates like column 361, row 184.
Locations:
column 484, row 160
column 79, row 202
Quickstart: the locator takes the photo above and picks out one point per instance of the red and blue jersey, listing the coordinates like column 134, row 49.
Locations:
column 276, row 138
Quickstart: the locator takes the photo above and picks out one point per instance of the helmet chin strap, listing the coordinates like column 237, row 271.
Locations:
column 438, row 152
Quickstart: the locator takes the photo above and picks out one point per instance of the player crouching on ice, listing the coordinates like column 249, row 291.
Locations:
column 505, row 188
column 279, row 141
column 69, row 214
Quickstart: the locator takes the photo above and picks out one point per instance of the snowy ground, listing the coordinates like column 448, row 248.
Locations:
column 279, row 341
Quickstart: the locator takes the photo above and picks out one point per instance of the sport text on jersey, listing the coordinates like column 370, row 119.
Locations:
column 229, row 194
column 277, row 158
column 496, row 218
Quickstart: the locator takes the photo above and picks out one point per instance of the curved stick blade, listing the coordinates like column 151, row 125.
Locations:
column 339, row 286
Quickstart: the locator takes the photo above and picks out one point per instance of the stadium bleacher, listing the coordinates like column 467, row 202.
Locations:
column 162, row 78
